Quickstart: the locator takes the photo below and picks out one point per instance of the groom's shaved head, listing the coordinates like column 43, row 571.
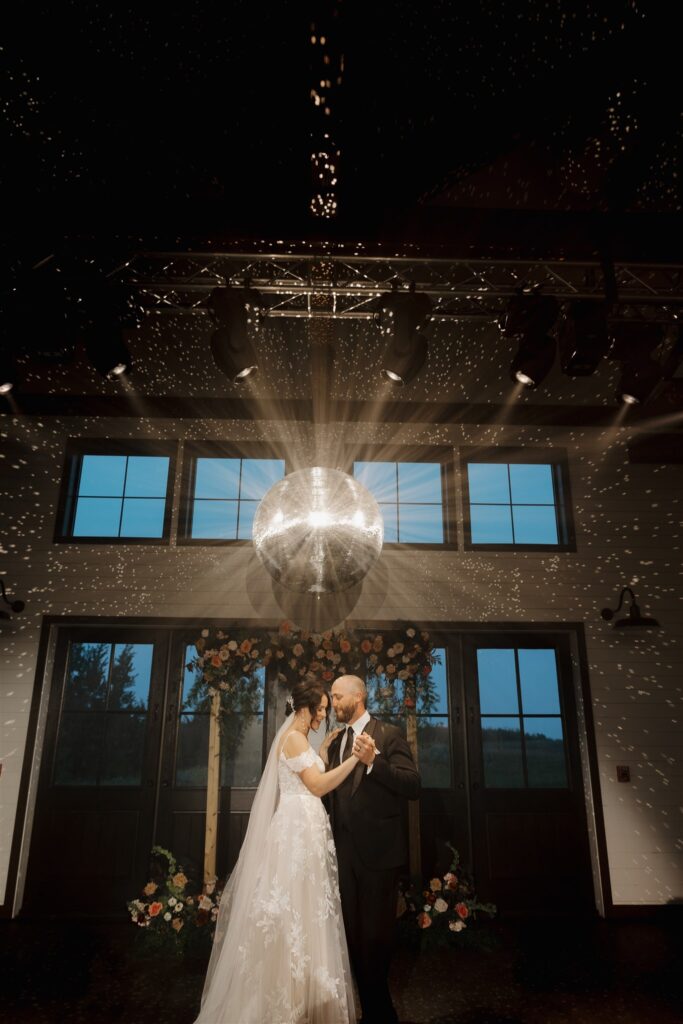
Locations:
column 352, row 684
column 349, row 696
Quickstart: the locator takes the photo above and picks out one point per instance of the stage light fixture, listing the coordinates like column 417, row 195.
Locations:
column 110, row 310
column 15, row 606
column 8, row 373
column 634, row 616
column 403, row 319
column 583, row 338
column 236, row 312
column 107, row 351
column 528, row 319
column 634, row 344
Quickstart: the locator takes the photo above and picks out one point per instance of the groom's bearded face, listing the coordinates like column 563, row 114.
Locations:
column 344, row 706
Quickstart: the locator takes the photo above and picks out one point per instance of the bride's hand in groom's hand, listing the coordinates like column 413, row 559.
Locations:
column 364, row 748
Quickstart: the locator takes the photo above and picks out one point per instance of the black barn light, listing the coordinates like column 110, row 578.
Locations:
column 634, row 617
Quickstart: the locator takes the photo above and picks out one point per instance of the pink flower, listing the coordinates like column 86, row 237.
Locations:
column 298, row 650
column 155, row 908
column 462, row 909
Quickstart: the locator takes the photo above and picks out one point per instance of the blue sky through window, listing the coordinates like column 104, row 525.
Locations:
column 227, row 492
column 512, row 503
column 410, row 497
column 121, row 496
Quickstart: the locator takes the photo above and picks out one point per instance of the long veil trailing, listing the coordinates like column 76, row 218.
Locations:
column 238, row 893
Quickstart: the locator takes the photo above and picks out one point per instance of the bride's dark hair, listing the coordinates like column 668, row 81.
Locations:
column 309, row 693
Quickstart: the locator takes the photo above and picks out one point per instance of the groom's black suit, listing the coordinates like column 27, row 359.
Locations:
column 367, row 813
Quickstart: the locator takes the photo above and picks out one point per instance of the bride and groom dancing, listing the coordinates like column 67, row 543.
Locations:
column 311, row 896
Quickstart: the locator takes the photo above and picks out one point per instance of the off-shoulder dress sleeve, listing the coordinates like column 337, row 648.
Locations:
column 301, row 761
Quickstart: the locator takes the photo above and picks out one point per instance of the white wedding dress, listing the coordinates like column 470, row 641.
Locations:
column 280, row 953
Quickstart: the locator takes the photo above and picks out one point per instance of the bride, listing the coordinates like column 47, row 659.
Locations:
column 279, row 954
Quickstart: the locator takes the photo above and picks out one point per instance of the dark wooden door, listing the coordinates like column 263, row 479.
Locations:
column 94, row 818
column 529, row 829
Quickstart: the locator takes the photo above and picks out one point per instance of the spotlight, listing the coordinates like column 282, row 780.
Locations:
column 583, row 339
column 528, row 318
column 235, row 311
column 402, row 319
column 107, row 351
column 8, row 373
column 634, row 616
column 634, row 343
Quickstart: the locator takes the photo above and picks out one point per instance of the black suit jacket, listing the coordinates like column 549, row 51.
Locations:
column 377, row 801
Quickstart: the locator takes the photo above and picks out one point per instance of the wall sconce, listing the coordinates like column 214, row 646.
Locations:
column 634, row 616
column 16, row 606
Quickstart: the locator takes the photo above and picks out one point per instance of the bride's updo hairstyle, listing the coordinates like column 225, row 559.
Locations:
column 308, row 693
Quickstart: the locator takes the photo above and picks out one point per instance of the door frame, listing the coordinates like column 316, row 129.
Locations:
column 53, row 624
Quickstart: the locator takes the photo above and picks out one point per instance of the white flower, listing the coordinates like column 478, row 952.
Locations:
column 178, row 907
column 456, row 926
column 167, row 916
column 410, row 633
column 172, row 901
column 205, row 903
column 440, row 906
column 205, row 632
column 427, row 908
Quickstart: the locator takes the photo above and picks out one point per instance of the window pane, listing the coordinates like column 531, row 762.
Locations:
column 390, row 517
column 86, row 681
column 434, row 700
column 143, row 517
column 130, row 677
column 420, row 482
column 531, row 484
column 147, row 476
column 241, row 751
column 538, row 677
column 502, row 753
column 535, row 524
column 545, row 752
column 491, row 524
column 78, row 749
column 497, row 681
column 123, row 751
column 420, row 524
column 102, row 475
column 379, row 478
column 217, row 478
column 246, row 524
column 191, row 699
column 216, row 520
column 192, row 751
column 434, row 752
column 488, row 482
column 97, row 517
column 259, row 475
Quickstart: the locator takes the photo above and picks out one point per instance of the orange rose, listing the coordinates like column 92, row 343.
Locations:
column 327, row 676
column 390, row 670
column 424, row 920
column 462, row 910
column 365, row 646
column 176, row 924
column 409, row 702
column 155, row 908
column 285, row 628
column 179, row 880
column 377, row 644
column 245, row 646
column 344, row 646
column 150, row 889
column 216, row 661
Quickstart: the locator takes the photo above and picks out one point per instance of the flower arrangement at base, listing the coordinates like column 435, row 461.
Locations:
column 441, row 912
column 173, row 919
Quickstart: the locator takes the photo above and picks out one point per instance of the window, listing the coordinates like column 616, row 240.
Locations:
column 432, row 715
column 521, row 718
column 414, row 496
column 221, row 493
column 517, row 499
column 104, row 715
column 241, row 732
column 115, row 491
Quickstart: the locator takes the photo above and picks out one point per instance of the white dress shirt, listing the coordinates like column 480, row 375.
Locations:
column 357, row 727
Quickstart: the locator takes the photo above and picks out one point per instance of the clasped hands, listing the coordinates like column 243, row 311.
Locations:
column 364, row 748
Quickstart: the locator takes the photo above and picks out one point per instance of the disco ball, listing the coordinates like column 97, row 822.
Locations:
column 318, row 531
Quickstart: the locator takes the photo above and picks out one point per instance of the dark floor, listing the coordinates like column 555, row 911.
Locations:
column 548, row 972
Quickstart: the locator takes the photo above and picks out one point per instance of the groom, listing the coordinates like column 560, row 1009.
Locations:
column 367, row 816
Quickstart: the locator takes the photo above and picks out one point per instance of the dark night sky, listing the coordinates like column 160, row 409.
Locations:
column 119, row 117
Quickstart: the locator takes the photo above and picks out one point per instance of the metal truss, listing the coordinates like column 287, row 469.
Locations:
column 349, row 286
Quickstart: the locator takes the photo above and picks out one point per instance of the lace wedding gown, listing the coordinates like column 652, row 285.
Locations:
column 285, row 960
